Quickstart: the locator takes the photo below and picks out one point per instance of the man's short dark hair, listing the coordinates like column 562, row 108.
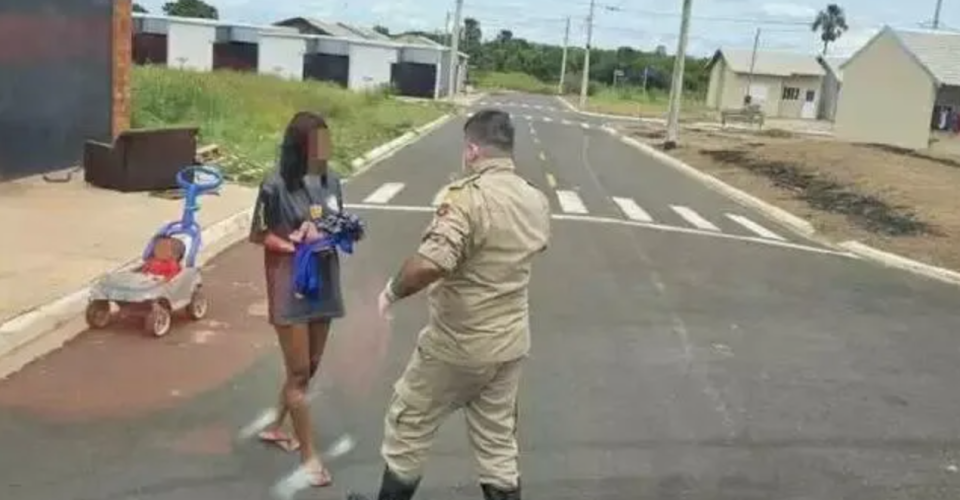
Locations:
column 490, row 128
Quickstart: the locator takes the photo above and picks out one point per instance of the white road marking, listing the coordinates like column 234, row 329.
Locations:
column 438, row 198
column 552, row 181
column 528, row 117
column 570, row 202
column 547, row 119
column 585, row 126
column 632, row 210
column 384, row 193
column 542, row 156
column 623, row 222
column 694, row 218
column 756, row 228
column 566, row 122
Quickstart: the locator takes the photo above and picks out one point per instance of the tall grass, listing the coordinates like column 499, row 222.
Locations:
column 520, row 82
column 246, row 113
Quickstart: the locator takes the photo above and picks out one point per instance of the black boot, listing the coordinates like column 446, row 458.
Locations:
column 391, row 488
column 494, row 493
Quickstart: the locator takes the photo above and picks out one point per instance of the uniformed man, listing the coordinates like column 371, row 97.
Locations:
column 476, row 256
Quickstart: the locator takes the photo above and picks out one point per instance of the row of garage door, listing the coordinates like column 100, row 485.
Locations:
column 408, row 78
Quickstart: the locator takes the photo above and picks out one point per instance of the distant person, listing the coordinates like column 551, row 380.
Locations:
column 476, row 255
column 301, row 190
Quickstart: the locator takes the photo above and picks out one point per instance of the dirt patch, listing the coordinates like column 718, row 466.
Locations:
column 901, row 201
column 867, row 211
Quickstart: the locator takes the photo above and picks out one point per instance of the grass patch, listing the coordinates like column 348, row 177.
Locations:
column 520, row 82
column 634, row 101
column 246, row 113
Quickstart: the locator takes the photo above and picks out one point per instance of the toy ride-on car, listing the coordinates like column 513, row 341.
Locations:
column 168, row 279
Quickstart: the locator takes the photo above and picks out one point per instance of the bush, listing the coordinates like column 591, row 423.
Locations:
column 246, row 113
column 520, row 82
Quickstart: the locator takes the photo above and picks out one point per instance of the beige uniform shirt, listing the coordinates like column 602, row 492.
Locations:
column 485, row 235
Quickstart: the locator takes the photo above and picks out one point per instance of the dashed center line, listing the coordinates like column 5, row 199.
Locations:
column 551, row 181
column 542, row 156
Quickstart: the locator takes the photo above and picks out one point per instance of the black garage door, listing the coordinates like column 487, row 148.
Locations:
column 414, row 79
column 327, row 67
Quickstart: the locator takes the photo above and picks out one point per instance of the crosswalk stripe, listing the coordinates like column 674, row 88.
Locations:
column 756, row 228
column 694, row 218
column 547, row 119
column 566, row 122
column 585, row 126
column 632, row 210
column 384, row 193
column 570, row 202
column 528, row 117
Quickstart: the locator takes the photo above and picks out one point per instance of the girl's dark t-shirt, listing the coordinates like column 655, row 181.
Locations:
column 281, row 212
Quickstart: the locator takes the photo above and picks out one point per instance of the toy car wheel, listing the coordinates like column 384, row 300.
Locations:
column 159, row 320
column 198, row 306
column 98, row 314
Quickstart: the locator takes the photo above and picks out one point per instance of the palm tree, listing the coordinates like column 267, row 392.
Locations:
column 831, row 23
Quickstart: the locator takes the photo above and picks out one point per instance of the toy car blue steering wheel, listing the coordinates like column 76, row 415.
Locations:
column 204, row 170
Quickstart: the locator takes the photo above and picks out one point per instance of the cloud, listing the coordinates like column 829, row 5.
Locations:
column 851, row 41
column 788, row 10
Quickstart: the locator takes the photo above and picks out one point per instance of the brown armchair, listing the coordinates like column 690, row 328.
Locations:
column 141, row 159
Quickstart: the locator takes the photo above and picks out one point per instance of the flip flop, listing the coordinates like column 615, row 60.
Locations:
column 320, row 478
column 279, row 439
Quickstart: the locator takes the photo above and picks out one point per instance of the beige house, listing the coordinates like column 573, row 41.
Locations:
column 898, row 87
column 785, row 85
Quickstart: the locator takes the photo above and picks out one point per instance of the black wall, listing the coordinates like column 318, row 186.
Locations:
column 327, row 67
column 414, row 79
column 55, row 82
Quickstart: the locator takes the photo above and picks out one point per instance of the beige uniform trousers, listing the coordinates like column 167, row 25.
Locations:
column 429, row 390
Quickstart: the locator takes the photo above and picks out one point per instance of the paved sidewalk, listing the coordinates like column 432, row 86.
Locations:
column 61, row 236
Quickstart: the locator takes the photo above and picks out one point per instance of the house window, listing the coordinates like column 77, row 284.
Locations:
column 811, row 95
column 791, row 93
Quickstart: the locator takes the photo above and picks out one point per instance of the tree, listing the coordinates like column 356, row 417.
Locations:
column 190, row 8
column 505, row 36
column 383, row 30
column 472, row 38
column 139, row 8
column 831, row 23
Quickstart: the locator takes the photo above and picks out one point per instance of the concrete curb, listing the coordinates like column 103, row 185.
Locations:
column 778, row 214
column 794, row 222
column 900, row 262
column 48, row 327
column 386, row 150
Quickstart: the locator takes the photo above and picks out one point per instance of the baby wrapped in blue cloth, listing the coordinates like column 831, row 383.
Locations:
column 338, row 231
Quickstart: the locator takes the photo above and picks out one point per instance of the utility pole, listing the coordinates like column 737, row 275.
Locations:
column 753, row 62
column 455, row 50
column 586, row 57
column 676, row 89
column 936, row 15
column 563, row 63
column 447, row 28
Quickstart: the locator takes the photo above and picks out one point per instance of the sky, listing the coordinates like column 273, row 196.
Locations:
column 642, row 24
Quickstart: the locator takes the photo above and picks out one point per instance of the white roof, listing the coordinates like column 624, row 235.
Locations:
column 771, row 63
column 938, row 51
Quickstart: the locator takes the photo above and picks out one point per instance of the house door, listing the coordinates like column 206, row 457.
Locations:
column 809, row 109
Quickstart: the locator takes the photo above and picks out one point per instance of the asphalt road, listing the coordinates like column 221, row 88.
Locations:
column 670, row 361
